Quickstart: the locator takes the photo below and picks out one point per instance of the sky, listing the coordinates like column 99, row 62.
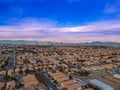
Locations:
column 60, row 20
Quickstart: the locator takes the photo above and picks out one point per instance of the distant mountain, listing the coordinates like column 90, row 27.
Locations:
column 56, row 43
column 95, row 43
column 26, row 42
column 103, row 43
column 17, row 42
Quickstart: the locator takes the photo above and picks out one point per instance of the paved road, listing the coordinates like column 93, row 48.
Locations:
column 2, row 79
column 48, row 82
column 11, row 62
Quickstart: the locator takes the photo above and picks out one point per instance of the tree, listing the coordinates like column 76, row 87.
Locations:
column 55, row 81
column 21, row 72
column 6, row 77
column 39, row 77
column 70, row 77
column 83, row 73
column 13, row 78
column 3, row 66
column 27, row 71
column 80, row 60
column 6, row 62
column 60, row 68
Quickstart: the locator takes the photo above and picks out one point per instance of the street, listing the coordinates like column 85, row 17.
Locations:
column 10, row 62
column 48, row 82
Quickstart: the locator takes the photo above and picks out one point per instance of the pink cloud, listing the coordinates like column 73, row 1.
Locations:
column 48, row 31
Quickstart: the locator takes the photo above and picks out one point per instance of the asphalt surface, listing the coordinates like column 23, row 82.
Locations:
column 2, row 79
column 10, row 63
column 48, row 82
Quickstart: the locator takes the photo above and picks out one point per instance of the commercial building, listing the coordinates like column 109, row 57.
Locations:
column 116, row 76
column 98, row 84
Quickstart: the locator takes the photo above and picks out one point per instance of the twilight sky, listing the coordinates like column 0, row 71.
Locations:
column 60, row 20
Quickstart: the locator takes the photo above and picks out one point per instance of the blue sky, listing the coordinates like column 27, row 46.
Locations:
column 60, row 20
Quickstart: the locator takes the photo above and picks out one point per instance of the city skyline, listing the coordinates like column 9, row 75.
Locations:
column 60, row 21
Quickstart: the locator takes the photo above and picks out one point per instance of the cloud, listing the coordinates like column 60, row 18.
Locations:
column 28, row 28
column 112, row 8
column 101, row 26
column 47, row 30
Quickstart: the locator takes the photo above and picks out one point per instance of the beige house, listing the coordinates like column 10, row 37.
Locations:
column 17, row 70
column 2, row 84
column 3, row 72
column 67, row 83
column 74, row 86
column 64, row 81
column 10, row 72
column 30, row 80
column 10, row 85
column 29, row 88
column 20, row 62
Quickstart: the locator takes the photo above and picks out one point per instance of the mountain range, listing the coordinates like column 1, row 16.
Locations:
column 53, row 43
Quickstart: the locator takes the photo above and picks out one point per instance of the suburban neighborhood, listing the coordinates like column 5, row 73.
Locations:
column 59, row 67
